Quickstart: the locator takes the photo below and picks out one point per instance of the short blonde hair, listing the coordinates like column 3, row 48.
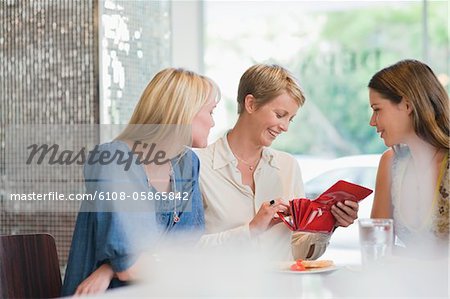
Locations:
column 173, row 97
column 266, row 82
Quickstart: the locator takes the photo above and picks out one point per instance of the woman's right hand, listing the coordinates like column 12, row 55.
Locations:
column 97, row 282
column 264, row 218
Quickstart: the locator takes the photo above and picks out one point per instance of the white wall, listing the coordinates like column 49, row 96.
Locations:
column 187, row 35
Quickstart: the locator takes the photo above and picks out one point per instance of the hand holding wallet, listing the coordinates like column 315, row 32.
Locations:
column 315, row 215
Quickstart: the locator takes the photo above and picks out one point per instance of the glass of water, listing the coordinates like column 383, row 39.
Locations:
column 376, row 237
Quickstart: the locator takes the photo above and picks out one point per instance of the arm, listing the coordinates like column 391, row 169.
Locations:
column 115, row 255
column 116, row 235
column 97, row 282
column 116, row 251
column 100, row 279
column 231, row 236
column 381, row 207
column 262, row 221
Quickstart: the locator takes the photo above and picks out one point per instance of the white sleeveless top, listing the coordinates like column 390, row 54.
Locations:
column 405, row 234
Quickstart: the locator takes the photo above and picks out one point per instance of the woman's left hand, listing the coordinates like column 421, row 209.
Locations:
column 345, row 213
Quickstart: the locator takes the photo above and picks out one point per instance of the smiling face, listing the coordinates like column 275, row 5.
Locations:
column 202, row 123
column 271, row 119
column 392, row 121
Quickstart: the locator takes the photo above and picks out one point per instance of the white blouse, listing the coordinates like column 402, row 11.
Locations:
column 230, row 205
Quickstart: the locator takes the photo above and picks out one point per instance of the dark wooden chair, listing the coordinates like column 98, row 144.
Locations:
column 29, row 267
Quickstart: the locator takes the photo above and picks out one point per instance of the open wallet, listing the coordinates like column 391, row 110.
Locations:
column 315, row 215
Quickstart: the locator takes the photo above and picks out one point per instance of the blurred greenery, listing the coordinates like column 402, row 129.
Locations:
column 335, row 118
column 334, row 54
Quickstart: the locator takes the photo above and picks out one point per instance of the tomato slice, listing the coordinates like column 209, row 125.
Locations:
column 299, row 262
column 297, row 267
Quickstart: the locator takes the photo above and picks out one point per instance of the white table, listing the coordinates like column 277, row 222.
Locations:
column 241, row 276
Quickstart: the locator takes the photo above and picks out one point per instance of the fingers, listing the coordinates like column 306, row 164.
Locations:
column 84, row 290
column 350, row 208
column 273, row 202
column 81, row 290
column 284, row 205
column 341, row 218
column 274, row 221
column 279, row 206
column 279, row 203
column 87, row 290
column 274, row 206
column 352, row 204
column 345, row 214
column 267, row 215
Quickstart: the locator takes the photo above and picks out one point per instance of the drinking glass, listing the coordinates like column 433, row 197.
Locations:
column 376, row 238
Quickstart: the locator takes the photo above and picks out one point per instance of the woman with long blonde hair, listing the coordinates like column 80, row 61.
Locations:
column 151, row 175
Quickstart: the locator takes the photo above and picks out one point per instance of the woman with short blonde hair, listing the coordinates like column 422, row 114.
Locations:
column 266, row 82
column 257, row 180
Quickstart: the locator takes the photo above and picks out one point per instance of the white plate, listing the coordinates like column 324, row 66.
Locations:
column 285, row 268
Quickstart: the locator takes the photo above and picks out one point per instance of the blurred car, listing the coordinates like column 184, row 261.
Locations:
column 358, row 169
column 311, row 166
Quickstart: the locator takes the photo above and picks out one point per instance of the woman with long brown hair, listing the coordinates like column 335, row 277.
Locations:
column 411, row 114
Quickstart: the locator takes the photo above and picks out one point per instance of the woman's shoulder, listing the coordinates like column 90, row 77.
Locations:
column 191, row 155
column 187, row 162
column 207, row 151
column 114, row 145
column 394, row 157
column 392, row 164
column 283, row 161
column 111, row 147
column 280, row 156
column 108, row 158
column 207, row 154
column 387, row 156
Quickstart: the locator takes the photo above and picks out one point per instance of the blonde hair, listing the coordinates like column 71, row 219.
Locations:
column 266, row 82
column 415, row 81
column 173, row 97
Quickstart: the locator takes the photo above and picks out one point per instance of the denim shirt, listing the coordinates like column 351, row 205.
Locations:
column 115, row 236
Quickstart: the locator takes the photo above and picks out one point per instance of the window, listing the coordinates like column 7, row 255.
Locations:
column 333, row 48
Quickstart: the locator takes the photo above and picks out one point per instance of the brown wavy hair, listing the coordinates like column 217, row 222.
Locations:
column 416, row 82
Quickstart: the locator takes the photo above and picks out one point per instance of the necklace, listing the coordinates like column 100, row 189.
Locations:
column 251, row 166
column 176, row 217
column 173, row 187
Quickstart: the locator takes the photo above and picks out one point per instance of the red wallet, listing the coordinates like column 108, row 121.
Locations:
column 315, row 215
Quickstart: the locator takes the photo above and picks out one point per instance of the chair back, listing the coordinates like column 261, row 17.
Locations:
column 29, row 267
